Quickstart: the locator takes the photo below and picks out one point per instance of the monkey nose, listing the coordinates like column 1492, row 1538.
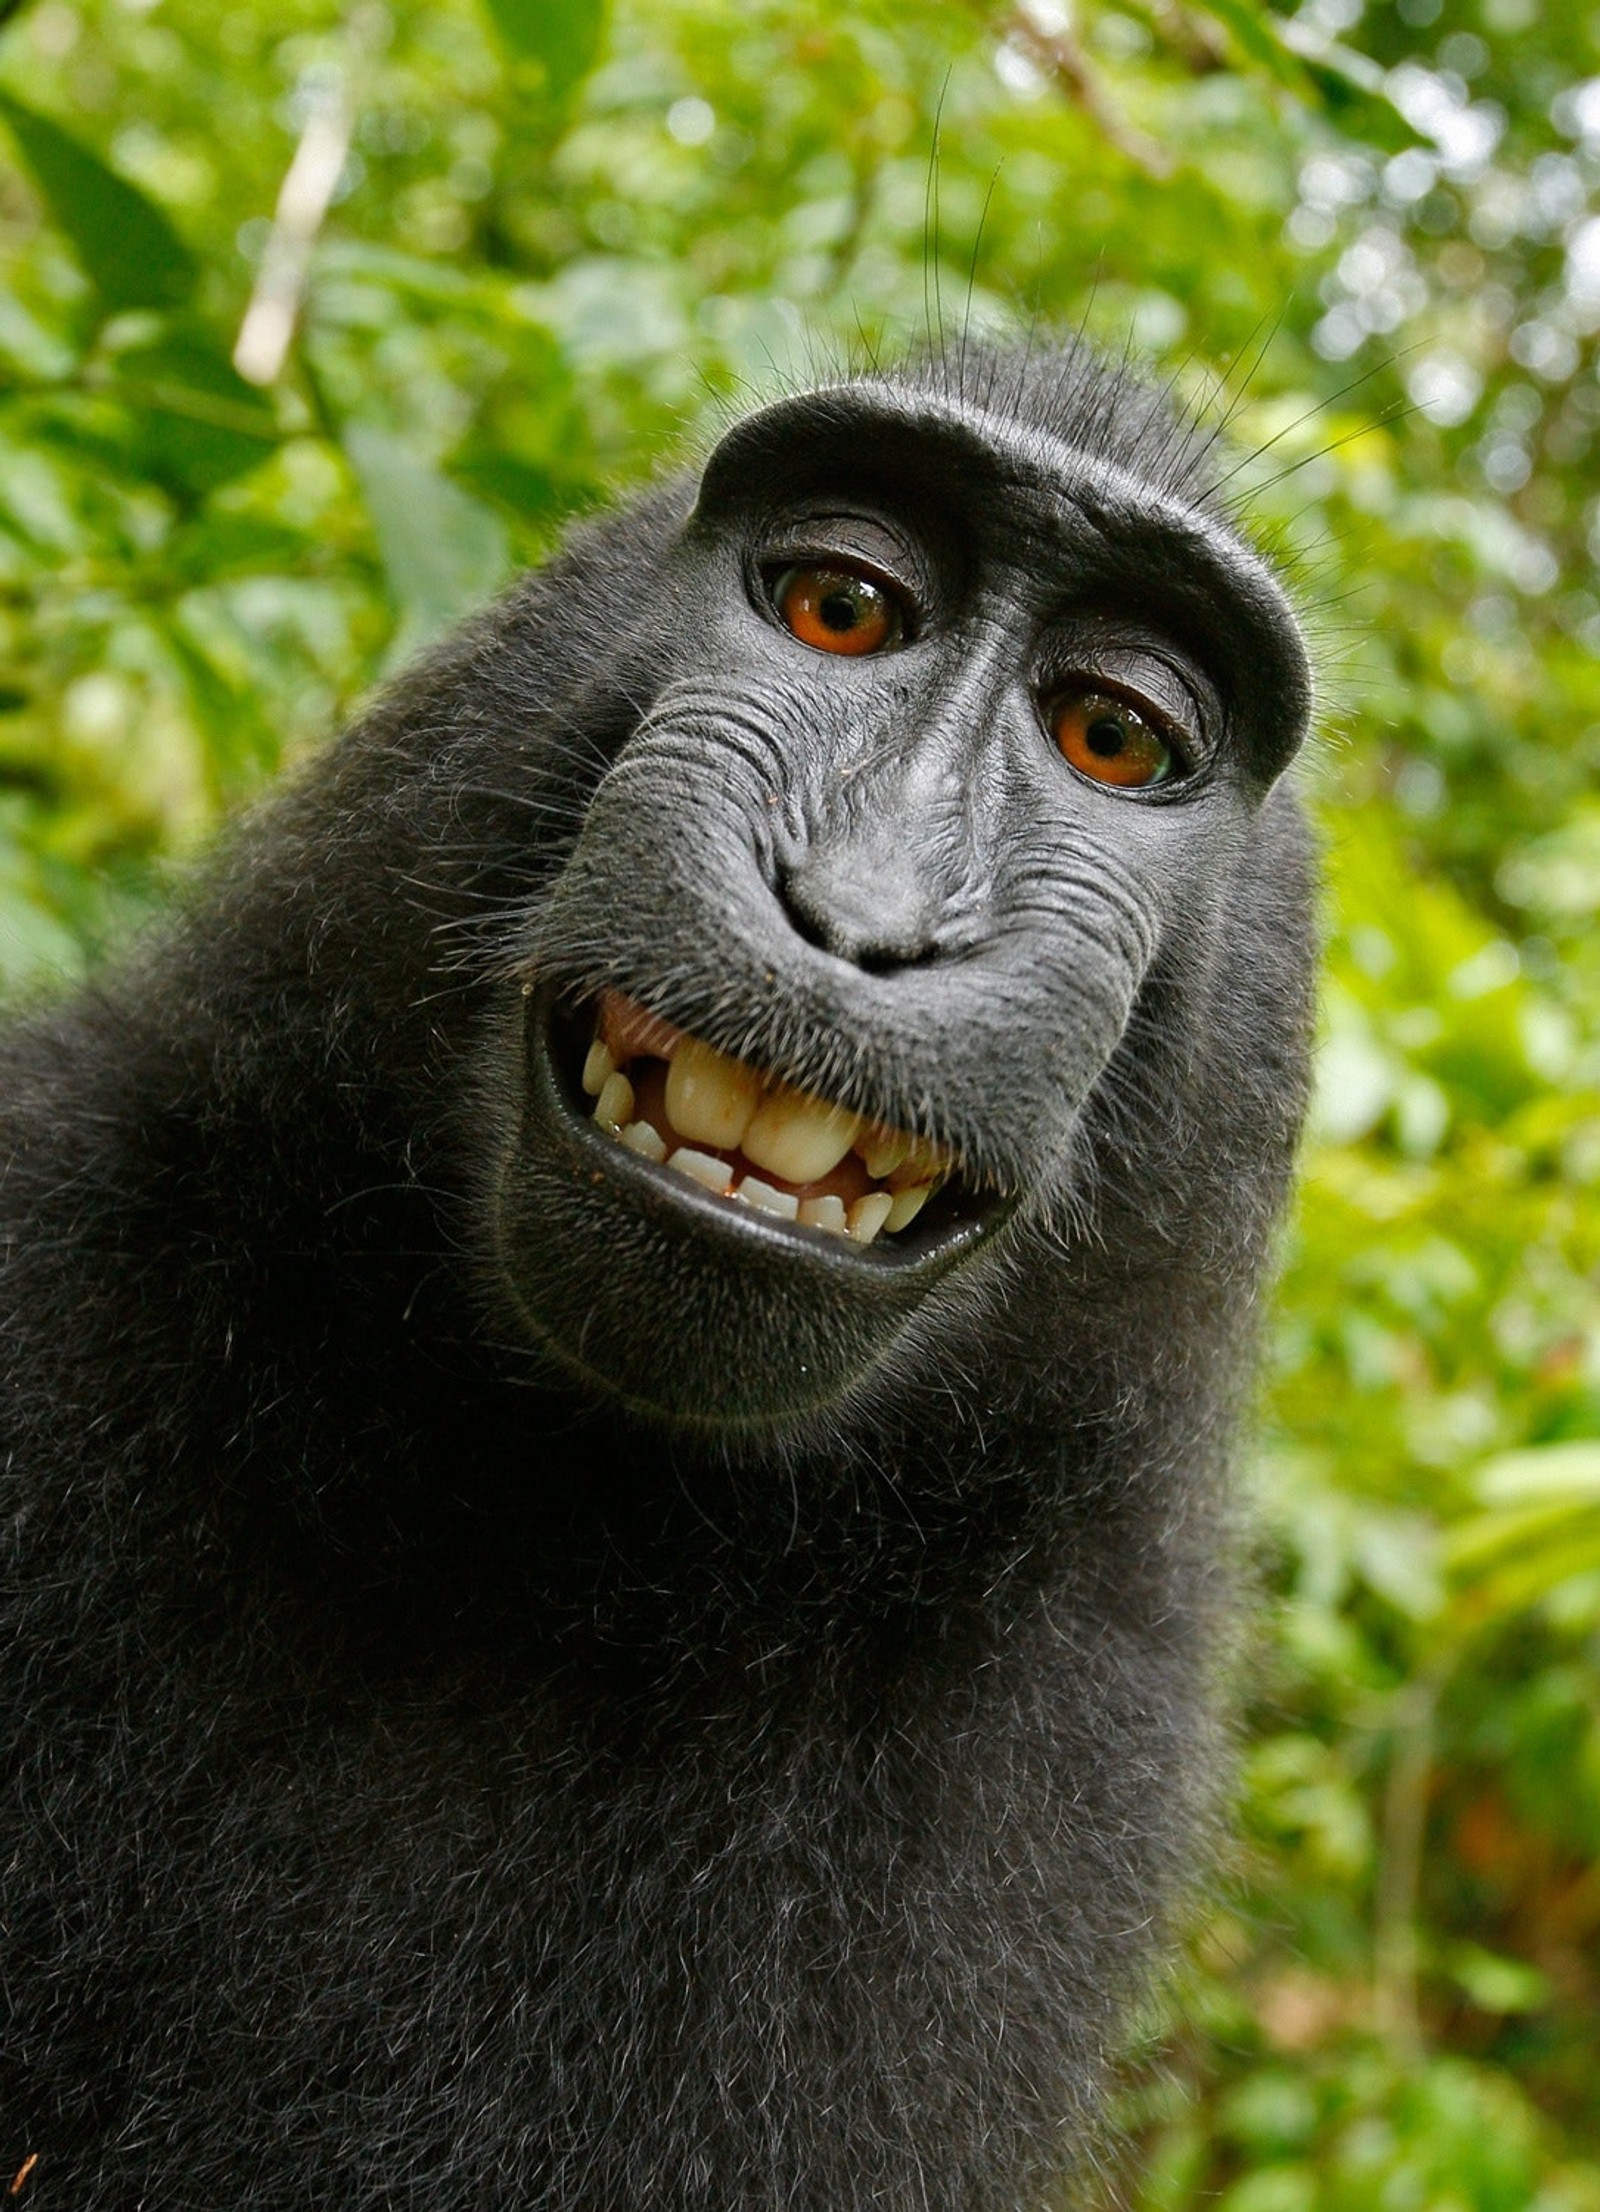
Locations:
column 865, row 902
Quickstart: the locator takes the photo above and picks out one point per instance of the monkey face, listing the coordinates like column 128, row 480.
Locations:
column 953, row 729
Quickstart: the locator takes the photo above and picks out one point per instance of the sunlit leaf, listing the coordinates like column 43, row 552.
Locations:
column 1497, row 1984
column 1541, row 1532
column 1555, row 1472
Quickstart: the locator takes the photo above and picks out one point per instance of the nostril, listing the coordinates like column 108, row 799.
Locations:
column 877, row 960
column 802, row 920
column 876, row 921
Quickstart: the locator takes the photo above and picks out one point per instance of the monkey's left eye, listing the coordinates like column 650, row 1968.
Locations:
column 1109, row 741
column 837, row 609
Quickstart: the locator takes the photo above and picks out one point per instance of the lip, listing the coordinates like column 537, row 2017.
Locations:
column 556, row 1039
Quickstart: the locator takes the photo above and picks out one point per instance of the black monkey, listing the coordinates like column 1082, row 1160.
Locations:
column 619, row 1349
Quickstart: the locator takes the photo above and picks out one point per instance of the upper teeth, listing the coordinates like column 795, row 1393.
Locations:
column 716, row 1101
column 798, row 1137
column 712, row 1099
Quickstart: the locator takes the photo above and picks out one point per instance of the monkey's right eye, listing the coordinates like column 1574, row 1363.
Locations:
column 1110, row 742
column 836, row 609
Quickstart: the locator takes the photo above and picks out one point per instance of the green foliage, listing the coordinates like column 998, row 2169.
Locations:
column 504, row 259
column 129, row 251
column 562, row 36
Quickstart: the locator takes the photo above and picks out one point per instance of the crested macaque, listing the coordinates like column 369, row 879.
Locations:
column 620, row 1346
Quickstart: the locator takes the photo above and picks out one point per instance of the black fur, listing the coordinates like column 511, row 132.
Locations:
column 523, row 1691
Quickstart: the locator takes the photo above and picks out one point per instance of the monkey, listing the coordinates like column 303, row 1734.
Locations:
column 622, row 1344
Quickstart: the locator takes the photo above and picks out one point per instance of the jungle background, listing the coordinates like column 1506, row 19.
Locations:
column 316, row 320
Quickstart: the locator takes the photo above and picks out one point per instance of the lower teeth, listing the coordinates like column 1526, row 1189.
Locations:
column 868, row 1215
column 703, row 1168
column 781, row 1202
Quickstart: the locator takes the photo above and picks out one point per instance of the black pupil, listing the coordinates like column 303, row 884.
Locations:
column 1106, row 737
column 842, row 608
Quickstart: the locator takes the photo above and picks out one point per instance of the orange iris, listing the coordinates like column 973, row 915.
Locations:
column 1109, row 741
column 836, row 610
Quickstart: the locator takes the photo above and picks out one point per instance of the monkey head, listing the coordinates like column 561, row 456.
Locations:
column 952, row 728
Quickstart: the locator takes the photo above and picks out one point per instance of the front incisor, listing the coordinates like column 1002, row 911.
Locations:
column 710, row 1098
column 798, row 1137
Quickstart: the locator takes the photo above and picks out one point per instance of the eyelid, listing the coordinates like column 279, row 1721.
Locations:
column 1083, row 682
column 1149, row 684
column 833, row 556
column 884, row 556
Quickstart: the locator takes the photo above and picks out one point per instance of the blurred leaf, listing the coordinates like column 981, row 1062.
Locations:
column 130, row 252
column 1497, row 1984
column 400, row 275
column 36, row 947
column 238, row 739
column 443, row 551
column 1274, row 2110
column 1255, row 35
column 199, row 424
column 563, row 36
column 1342, row 82
column 218, row 545
column 1543, row 1529
column 29, row 345
column 527, row 489
column 1350, row 100
column 1568, row 1472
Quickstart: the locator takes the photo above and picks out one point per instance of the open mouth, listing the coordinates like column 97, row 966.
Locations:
column 742, row 1135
